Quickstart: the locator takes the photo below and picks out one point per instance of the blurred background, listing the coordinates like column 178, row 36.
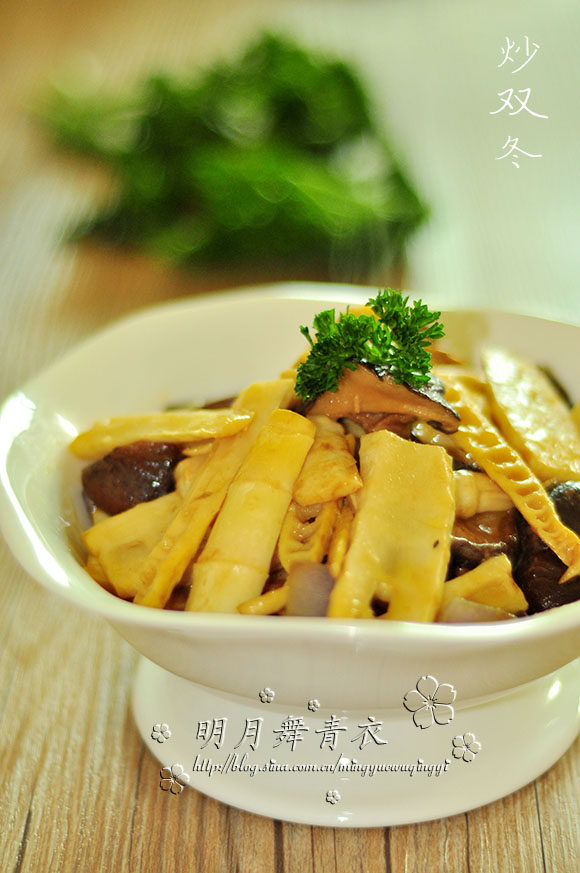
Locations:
column 150, row 151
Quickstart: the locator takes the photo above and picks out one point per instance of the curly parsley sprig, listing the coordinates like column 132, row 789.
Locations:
column 395, row 342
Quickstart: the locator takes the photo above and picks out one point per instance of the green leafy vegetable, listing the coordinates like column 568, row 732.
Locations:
column 395, row 342
column 272, row 159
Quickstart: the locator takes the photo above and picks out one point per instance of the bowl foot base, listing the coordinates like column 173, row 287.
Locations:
column 351, row 777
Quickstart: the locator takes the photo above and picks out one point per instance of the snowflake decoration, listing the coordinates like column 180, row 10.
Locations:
column 430, row 702
column 160, row 732
column 173, row 779
column 466, row 747
column 266, row 695
column 313, row 705
column 332, row 796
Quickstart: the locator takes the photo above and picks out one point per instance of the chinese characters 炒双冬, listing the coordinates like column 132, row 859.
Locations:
column 510, row 99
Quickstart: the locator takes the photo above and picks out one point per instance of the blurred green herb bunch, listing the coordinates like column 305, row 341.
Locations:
column 273, row 160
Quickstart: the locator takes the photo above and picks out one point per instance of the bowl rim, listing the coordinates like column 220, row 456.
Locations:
column 39, row 562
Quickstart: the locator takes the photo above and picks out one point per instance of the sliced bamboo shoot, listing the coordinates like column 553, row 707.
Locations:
column 235, row 562
column 159, row 427
column 532, row 416
column 340, row 539
column 265, row 604
column 187, row 471
column 169, row 558
column 306, row 533
column 490, row 583
column 476, row 492
column 330, row 470
column 122, row 542
column 502, row 463
column 401, row 532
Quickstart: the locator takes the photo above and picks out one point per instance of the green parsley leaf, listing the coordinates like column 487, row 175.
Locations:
column 395, row 343
column 254, row 163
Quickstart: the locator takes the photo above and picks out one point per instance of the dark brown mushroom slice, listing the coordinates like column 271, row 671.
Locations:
column 364, row 390
column 480, row 537
column 130, row 475
column 566, row 498
column 538, row 571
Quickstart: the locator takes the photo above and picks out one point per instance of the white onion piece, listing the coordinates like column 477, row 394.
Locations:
column 353, row 427
column 461, row 610
column 309, row 586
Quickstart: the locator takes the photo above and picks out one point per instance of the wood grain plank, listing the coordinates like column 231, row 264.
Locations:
column 438, row 846
column 66, row 709
column 558, row 799
column 324, row 850
column 215, row 851
column 360, row 851
column 165, row 830
column 505, row 836
column 297, row 848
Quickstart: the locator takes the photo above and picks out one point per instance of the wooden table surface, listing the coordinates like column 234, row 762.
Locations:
column 81, row 791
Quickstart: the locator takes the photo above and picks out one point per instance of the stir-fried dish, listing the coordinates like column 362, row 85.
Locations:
column 378, row 477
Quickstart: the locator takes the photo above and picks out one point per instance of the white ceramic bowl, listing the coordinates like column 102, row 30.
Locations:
column 209, row 348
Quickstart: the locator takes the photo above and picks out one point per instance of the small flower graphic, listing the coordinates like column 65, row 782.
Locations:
column 430, row 702
column 160, row 732
column 173, row 779
column 332, row 796
column 313, row 705
column 266, row 695
column 466, row 747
